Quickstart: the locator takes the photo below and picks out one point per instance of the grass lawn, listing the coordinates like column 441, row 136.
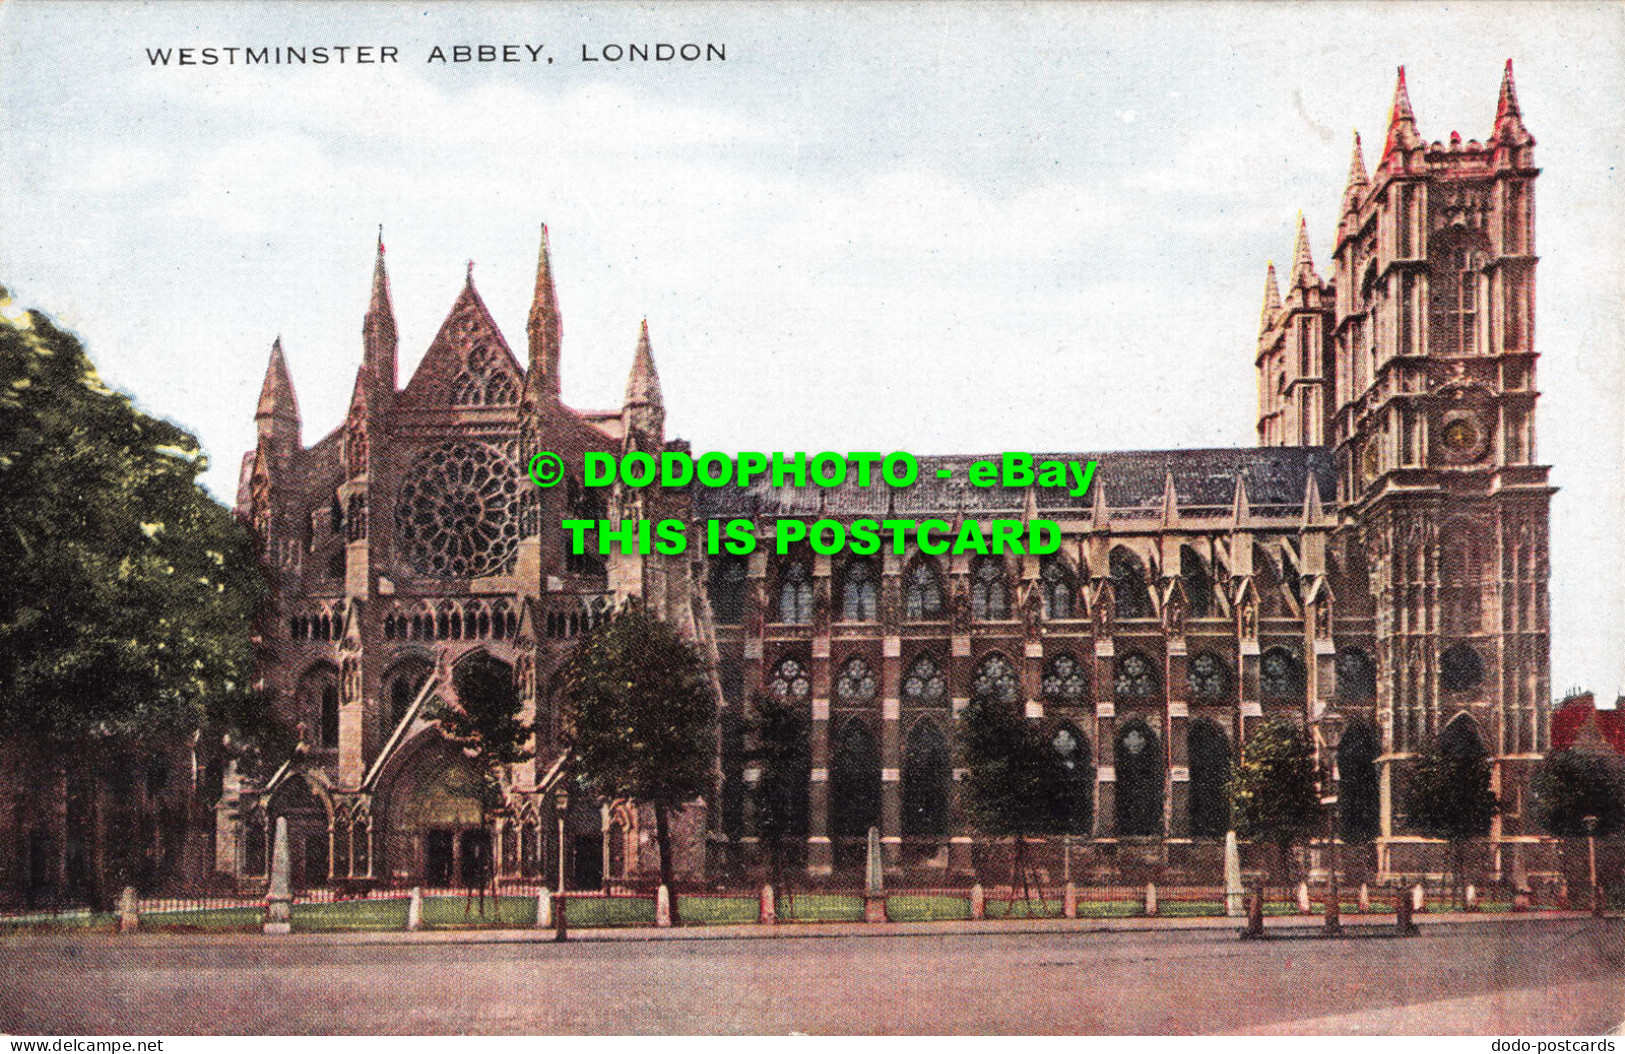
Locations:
column 920, row 907
column 609, row 911
column 715, row 911
column 821, row 907
column 460, row 913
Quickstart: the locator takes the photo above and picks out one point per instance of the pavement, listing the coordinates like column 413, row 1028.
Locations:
column 1479, row 974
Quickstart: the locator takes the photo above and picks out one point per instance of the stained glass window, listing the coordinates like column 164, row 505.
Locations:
column 1059, row 589
column 989, row 590
column 1280, row 675
column 922, row 592
column 996, row 680
column 482, row 382
column 457, row 512
column 1209, row 677
column 1066, row 680
column 790, row 683
column 858, row 591
column 795, row 595
column 1135, row 677
column 924, row 684
column 857, row 684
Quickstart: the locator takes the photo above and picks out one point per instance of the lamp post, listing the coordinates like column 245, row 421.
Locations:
column 1331, row 733
column 561, row 804
column 1591, row 853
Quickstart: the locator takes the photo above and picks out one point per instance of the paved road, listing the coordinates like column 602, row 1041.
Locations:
column 1491, row 978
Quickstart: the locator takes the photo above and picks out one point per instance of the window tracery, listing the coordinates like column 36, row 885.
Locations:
column 456, row 515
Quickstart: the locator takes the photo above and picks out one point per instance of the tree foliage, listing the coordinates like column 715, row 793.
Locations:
column 784, row 761
column 1449, row 794
column 485, row 722
column 1016, row 783
column 1572, row 784
column 1273, row 792
column 128, row 596
column 640, row 717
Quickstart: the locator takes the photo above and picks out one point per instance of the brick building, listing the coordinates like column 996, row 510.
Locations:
column 1382, row 550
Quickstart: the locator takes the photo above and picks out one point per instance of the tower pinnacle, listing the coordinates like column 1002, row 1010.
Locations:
column 1272, row 300
column 1354, row 191
column 1401, row 121
column 545, row 328
column 1509, row 127
column 643, row 409
column 1303, row 262
column 378, row 337
column 278, row 412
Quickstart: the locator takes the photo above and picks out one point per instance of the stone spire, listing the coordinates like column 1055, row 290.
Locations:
column 1313, row 510
column 378, row 329
column 1354, row 192
column 1170, row 501
column 1240, row 510
column 1401, row 122
column 1272, row 300
column 1303, row 262
column 278, row 413
column 545, row 328
column 643, row 410
column 1509, row 127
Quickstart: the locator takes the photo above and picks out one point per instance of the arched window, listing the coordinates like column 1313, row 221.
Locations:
column 795, row 594
column 1128, row 585
column 727, row 589
column 1356, row 676
column 1136, row 679
column 854, row 791
column 1066, row 681
column 330, row 715
column 1060, row 588
column 1280, row 675
column 1209, row 751
column 405, row 682
column 922, row 591
column 1359, row 803
column 857, row 684
column 859, row 591
column 1139, row 780
column 1198, row 583
column 925, row 684
column 1208, row 677
column 790, row 682
column 989, row 589
column 996, row 681
column 1460, row 668
column 1078, row 803
column 927, row 772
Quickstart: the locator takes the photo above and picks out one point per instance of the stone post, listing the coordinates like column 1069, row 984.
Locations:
column 767, row 910
column 561, row 929
column 1069, row 906
column 978, row 902
column 1472, row 897
column 1365, row 899
column 1304, row 907
column 1403, row 926
column 544, row 908
column 414, row 909
column 279, row 898
column 663, row 907
column 1150, row 898
column 1234, row 897
column 874, row 884
column 129, row 914
column 1254, row 929
column 1419, row 898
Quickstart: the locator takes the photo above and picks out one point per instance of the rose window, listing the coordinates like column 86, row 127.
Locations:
column 456, row 517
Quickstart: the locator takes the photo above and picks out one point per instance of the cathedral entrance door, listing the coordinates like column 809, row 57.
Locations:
column 588, row 872
column 439, row 856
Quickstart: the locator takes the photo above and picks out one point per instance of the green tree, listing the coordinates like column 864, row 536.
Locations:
column 640, row 718
column 1449, row 795
column 1573, row 784
column 1016, row 784
column 1273, row 792
column 485, row 722
column 128, row 594
column 780, row 795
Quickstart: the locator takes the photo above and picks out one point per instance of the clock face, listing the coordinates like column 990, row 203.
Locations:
column 1461, row 437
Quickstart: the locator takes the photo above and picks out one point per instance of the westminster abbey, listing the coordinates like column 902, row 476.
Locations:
column 1381, row 552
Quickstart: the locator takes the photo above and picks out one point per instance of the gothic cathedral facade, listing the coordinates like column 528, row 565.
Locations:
column 1381, row 552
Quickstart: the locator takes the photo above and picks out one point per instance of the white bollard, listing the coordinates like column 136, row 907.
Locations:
column 663, row 907
column 1150, row 898
column 1472, row 897
column 129, row 914
column 544, row 908
column 414, row 909
column 978, row 902
column 1419, row 898
column 1365, row 899
column 1303, row 898
column 767, row 912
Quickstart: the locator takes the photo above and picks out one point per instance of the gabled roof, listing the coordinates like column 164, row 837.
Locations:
column 468, row 323
column 1578, row 720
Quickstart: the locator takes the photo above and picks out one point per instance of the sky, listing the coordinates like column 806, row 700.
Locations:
column 928, row 227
